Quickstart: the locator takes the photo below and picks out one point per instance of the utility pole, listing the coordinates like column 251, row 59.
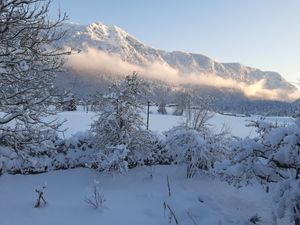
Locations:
column 148, row 113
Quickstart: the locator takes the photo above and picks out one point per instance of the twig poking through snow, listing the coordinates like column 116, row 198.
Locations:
column 169, row 188
column 96, row 199
column 172, row 214
column 40, row 197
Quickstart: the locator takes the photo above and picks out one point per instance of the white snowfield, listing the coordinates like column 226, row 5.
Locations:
column 80, row 121
column 134, row 199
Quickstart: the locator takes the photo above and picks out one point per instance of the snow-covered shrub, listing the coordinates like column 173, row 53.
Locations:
column 145, row 149
column 287, row 200
column 53, row 154
column 76, row 151
column 272, row 157
column 34, row 158
column 240, row 166
column 113, row 158
column 186, row 145
column 262, row 127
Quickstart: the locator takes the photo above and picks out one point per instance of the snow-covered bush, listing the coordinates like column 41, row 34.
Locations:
column 186, row 145
column 145, row 149
column 195, row 143
column 287, row 200
column 113, row 158
column 55, row 153
column 272, row 157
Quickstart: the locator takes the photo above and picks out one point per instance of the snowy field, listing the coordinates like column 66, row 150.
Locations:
column 134, row 199
column 80, row 121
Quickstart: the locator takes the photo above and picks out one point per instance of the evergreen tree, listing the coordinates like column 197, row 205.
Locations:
column 73, row 104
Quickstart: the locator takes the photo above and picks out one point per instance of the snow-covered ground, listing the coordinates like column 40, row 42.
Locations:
column 134, row 199
column 80, row 121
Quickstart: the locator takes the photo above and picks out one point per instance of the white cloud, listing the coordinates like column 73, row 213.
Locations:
column 94, row 62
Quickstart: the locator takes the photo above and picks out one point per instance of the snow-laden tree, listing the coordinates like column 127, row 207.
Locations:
column 162, row 108
column 195, row 143
column 198, row 113
column 120, row 134
column 29, row 61
column 183, row 101
column 272, row 157
column 119, row 115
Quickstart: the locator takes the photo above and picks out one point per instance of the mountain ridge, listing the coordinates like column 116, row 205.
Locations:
column 112, row 39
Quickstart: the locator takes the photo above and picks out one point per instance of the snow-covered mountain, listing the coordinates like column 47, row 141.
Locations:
column 114, row 40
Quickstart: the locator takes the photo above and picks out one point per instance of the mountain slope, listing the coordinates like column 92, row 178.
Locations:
column 113, row 40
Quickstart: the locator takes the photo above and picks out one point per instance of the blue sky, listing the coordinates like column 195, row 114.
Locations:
column 259, row 33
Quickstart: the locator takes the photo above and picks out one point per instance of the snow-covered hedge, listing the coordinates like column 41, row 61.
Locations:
column 144, row 148
column 55, row 153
